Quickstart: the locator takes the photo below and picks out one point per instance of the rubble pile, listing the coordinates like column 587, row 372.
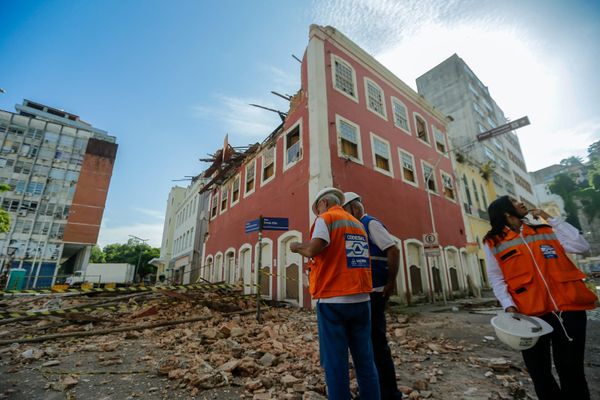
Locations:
column 224, row 347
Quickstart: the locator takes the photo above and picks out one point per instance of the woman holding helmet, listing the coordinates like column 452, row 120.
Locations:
column 531, row 274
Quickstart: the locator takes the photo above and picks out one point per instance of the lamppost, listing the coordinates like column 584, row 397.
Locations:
column 138, row 240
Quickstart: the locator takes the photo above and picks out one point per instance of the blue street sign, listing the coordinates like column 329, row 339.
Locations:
column 275, row 224
column 252, row 226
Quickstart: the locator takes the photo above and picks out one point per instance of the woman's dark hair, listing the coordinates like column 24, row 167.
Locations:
column 497, row 211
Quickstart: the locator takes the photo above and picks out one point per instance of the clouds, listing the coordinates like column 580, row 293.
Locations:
column 111, row 232
column 242, row 121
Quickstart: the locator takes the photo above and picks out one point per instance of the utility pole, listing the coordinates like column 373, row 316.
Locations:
column 138, row 240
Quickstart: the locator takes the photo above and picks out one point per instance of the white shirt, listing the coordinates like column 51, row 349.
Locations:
column 322, row 232
column 567, row 235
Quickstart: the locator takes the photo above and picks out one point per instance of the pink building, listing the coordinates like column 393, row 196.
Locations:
column 355, row 126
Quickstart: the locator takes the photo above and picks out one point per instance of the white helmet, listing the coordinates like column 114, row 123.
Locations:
column 351, row 196
column 330, row 190
column 519, row 331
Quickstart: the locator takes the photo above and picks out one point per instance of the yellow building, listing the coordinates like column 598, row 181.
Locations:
column 476, row 192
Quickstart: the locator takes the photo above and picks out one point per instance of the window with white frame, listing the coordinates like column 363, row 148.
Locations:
column 375, row 98
column 440, row 140
column 235, row 190
column 224, row 197
column 400, row 114
column 421, row 126
column 214, row 206
column 250, row 177
column 293, row 147
column 477, row 109
column 481, row 128
column 429, row 177
column 503, row 164
column 407, row 163
column 349, row 140
column 344, row 77
column 382, row 159
column 268, row 164
column 491, row 122
column 448, row 185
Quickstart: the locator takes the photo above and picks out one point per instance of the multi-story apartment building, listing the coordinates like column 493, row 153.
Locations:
column 455, row 90
column 356, row 126
column 176, row 196
column 189, row 223
column 58, row 168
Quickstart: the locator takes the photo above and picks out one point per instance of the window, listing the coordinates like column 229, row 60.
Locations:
column 472, row 89
column 375, row 98
column 510, row 187
column 503, row 164
column 489, row 153
column 429, row 177
column 381, row 155
column 522, row 182
column 349, row 140
column 235, row 191
column 498, row 144
column 517, row 160
column 407, row 163
column 491, row 122
column 497, row 179
column 293, row 146
column 421, row 129
column 214, row 206
column 478, row 109
column 440, row 140
column 483, row 199
column 448, row 185
column 400, row 114
column 481, row 128
column 250, row 177
column 268, row 164
column 344, row 78
column 224, row 197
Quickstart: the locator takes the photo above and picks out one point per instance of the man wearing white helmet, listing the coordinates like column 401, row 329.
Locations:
column 340, row 280
column 384, row 266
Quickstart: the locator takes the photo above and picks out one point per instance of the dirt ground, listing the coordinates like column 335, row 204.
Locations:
column 439, row 354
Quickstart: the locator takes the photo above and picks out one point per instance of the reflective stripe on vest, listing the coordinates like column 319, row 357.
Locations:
column 517, row 241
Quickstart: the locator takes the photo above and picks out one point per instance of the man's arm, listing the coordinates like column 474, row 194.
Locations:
column 393, row 257
column 309, row 249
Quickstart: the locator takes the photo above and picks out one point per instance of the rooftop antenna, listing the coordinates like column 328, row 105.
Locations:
column 297, row 59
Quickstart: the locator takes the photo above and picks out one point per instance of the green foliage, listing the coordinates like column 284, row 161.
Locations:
column 4, row 216
column 97, row 255
column 130, row 253
column 572, row 161
column 566, row 187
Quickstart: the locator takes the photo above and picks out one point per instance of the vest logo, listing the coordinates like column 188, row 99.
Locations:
column 357, row 251
column 548, row 251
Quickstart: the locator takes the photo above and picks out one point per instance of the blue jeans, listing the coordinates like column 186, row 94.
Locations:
column 343, row 326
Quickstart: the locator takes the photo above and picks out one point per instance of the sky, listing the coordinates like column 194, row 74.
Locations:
column 171, row 79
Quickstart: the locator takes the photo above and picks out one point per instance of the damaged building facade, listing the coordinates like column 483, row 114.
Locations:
column 58, row 170
column 355, row 126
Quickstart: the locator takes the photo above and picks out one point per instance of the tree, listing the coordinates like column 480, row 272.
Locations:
column 130, row 253
column 4, row 216
column 97, row 255
column 594, row 152
column 572, row 161
column 564, row 186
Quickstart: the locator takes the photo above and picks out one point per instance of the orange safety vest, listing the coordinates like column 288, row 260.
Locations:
column 343, row 267
column 526, row 284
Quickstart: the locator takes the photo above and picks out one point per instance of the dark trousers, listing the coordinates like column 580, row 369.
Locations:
column 381, row 349
column 568, row 359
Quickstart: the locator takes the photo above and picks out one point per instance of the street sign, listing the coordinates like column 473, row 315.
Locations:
column 252, row 226
column 430, row 240
column 275, row 224
column 499, row 130
column 432, row 252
